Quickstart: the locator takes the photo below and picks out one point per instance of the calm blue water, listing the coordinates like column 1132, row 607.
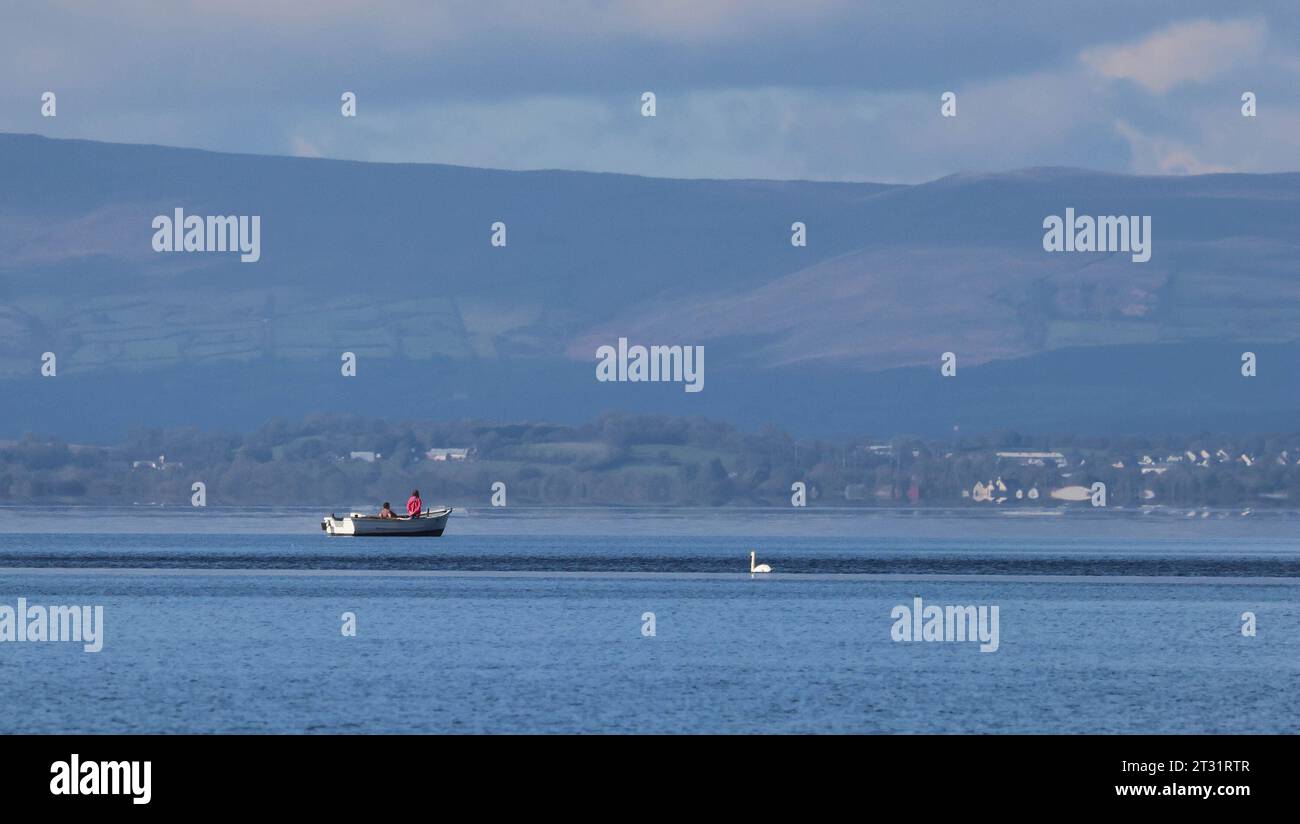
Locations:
column 531, row 621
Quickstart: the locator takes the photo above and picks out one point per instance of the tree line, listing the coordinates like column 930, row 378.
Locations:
column 626, row 459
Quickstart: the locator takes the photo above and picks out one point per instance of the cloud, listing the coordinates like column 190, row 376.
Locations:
column 413, row 25
column 826, row 90
column 1188, row 52
column 300, row 147
column 775, row 133
column 1158, row 155
column 772, row 132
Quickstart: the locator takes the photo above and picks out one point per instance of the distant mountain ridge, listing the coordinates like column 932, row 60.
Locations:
column 393, row 262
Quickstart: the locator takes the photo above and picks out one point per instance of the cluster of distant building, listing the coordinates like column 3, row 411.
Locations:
column 160, row 464
column 999, row 491
column 1203, row 458
column 1067, row 484
column 437, row 454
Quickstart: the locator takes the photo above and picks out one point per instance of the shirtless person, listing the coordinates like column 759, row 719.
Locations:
column 387, row 511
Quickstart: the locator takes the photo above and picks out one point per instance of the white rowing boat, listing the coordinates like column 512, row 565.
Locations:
column 429, row 522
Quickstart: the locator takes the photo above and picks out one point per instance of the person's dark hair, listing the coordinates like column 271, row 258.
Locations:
column 415, row 492
column 387, row 505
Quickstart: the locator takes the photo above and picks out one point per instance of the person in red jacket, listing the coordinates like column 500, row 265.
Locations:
column 414, row 504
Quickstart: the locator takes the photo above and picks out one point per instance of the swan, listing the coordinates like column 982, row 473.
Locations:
column 759, row 568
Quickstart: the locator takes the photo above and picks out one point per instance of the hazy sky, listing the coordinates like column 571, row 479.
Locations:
column 818, row 89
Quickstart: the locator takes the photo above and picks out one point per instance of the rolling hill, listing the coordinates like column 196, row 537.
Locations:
column 393, row 262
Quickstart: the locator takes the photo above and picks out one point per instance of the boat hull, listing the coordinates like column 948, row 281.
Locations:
column 429, row 524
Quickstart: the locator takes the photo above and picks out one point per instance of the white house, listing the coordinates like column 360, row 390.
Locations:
column 1033, row 458
column 161, row 463
column 443, row 453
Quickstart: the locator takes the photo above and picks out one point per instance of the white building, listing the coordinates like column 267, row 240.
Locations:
column 1033, row 458
column 443, row 453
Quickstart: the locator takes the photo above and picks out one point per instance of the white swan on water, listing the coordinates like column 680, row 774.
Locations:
column 759, row 568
